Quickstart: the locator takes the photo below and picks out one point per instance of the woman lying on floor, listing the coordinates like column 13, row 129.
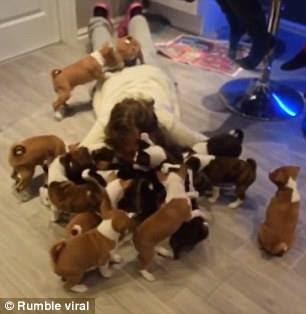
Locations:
column 138, row 99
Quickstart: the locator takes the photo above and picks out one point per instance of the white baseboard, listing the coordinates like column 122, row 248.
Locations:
column 180, row 5
column 180, row 19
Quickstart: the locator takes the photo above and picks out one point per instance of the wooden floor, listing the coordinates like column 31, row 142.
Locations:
column 225, row 274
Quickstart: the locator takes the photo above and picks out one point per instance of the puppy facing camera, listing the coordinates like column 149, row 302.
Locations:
column 61, row 113
column 129, row 48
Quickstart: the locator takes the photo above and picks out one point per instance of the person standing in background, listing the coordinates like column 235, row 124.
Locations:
column 246, row 17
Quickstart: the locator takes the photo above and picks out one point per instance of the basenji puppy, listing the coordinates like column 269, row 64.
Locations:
column 88, row 220
column 75, row 162
column 82, row 222
column 225, row 144
column 165, row 221
column 277, row 233
column 219, row 170
column 92, row 67
column 130, row 50
column 31, row 152
column 101, row 177
column 92, row 249
column 67, row 196
column 149, row 156
column 93, row 157
column 191, row 232
column 188, row 235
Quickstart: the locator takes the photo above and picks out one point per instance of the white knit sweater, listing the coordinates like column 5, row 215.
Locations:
column 140, row 82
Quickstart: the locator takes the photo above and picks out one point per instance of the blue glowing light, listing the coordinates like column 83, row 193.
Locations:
column 283, row 106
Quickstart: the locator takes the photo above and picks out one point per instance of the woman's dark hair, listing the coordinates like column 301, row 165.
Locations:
column 128, row 116
column 132, row 116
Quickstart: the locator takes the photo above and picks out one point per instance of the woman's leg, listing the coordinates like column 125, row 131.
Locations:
column 100, row 31
column 237, row 28
column 139, row 28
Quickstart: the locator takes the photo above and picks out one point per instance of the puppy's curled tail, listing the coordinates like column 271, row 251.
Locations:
column 76, row 230
column 55, row 73
column 252, row 163
column 18, row 150
column 237, row 133
column 280, row 249
column 55, row 251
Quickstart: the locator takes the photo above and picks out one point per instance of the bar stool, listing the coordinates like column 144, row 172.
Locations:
column 262, row 98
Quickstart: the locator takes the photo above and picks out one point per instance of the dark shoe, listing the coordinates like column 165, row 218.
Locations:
column 260, row 48
column 101, row 10
column 234, row 40
column 297, row 62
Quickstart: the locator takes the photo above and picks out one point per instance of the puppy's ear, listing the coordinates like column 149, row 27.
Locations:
column 18, row 150
column 73, row 147
column 293, row 171
column 279, row 176
column 125, row 183
column 182, row 172
column 161, row 176
column 65, row 159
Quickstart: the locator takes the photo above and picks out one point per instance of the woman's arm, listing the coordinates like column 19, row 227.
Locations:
column 178, row 131
column 95, row 135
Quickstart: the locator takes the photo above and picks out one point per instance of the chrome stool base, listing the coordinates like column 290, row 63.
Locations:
column 252, row 99
column 262, row 98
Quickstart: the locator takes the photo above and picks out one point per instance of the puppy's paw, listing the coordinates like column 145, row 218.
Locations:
column 59, row 115
column 212, row 200
column 147, row 275
column 105, row 271
column 197, row 213
column 163, row 252
column 79, row 288
column 116, row 258
column 54, row 214
column 22, row 196
column 235, row 204
column 86, row 174
column 44, row 197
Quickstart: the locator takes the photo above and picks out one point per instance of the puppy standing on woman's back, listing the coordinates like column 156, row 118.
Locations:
column 165, row 221
column 89, row 68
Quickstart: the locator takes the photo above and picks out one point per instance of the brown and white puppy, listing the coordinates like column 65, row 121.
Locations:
column 95, row 248
column 129, row 48
column 92, row 67
column 277, row 233
column 219, row 170
column 165, row 221
column 67, row 196
column 31, row 152
column 82, row 222
column 75, row 162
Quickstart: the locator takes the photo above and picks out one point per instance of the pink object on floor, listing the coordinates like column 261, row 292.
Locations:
column 123, row 25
